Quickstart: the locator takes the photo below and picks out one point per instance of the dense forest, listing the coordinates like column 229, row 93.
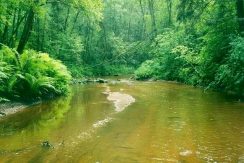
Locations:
column 44, row 43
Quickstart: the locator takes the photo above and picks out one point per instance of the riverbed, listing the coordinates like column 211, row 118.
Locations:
column 127, row 121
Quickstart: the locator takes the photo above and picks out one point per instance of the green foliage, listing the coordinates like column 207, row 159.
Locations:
column 2, row 100
column 230, row 75
column 162, row 49
column 174, row 59
column 4, row 72
column 191, row 41
column 79, row 71
column 40, row 64
column 7, row 68
column 37, row 76
column 7, row 56
column 66, row 47
column 189, row 64
column 113, row 69
column 147, row 70
column 119, row 70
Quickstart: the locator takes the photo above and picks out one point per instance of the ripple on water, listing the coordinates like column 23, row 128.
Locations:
column 102, row 122
column 164, row 159
column 241, row 159
column 186, row 153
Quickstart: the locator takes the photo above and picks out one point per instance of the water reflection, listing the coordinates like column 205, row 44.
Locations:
column 38, row 117
column 167, row 123
column 28, row 128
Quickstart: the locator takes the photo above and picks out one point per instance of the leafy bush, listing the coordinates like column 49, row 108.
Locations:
column 168, row 61
column 77, row 71
column 211, row 63
column 189, row 64
column 5, row 69
column 230, row 75
column 148, row 69
column 34, row 76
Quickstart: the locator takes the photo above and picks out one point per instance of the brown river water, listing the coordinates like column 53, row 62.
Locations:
column 165, row 122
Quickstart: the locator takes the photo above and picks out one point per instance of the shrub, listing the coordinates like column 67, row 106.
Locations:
column 34, row 76
column 230, row 75
column 40, row 65
column 147, row 70
column 166, row 64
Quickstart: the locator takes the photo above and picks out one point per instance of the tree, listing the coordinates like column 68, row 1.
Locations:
column 27, row 30
column 153, row 19
column 240, row 15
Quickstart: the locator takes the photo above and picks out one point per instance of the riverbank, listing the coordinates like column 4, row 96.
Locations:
column 231, row 94
column 12, row 107
column 8, row 108
column 166, row 122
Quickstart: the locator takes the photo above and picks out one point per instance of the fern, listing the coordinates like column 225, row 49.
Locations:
column 39, row 76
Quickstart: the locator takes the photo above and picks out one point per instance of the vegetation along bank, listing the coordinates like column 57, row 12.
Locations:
column 44, row 43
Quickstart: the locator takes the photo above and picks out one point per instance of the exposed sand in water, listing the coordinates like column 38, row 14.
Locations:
column 120, row 100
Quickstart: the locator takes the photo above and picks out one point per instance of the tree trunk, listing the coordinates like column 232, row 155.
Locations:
column 19, row 20
column 66, row 20
column 5, row 34
column 10, row 41
column 75, row 20
column 38, row 38
column 129, row 30
column 169, row 8
column 26, row 31
column 143, row 20
column 152, row 13
column 240, row 15
column 43, row 33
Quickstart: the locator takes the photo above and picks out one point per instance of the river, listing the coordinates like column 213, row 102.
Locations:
column 166, row 122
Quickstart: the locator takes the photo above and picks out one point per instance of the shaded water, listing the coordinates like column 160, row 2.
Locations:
column 167, row 123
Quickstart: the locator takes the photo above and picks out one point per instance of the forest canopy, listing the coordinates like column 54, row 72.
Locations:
column 197, row 42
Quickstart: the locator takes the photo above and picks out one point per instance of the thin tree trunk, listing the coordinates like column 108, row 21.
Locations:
column 169, row 8
column 129, row 30
column 26, row 31
column 152, row 13
column 143, row 20
column 15, row 32
column 5, row 34
column 10, row 42
column 38, row 39
column 75, row 20
column 43, row 33
column 104, row 41
column 240, row 15
column 66, row 19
